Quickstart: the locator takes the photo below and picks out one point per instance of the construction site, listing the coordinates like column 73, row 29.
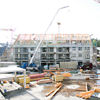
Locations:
column 61, row 64
column 50, row 67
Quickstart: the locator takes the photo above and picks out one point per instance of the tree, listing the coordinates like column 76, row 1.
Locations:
column 96, row 42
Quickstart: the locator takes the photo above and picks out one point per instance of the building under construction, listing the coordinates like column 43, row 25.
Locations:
column 55, row 48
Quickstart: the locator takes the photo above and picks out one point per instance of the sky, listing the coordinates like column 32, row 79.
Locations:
column 34, row 16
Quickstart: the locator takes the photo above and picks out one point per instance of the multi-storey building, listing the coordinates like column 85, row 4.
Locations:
column 55, row 48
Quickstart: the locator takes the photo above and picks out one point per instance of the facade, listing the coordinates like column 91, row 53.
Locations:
column 55, row 48
column 3, row 47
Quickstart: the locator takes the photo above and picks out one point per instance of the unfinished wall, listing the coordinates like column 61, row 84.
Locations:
column 55, row 48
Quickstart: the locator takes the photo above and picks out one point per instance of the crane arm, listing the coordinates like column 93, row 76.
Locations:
column 45, row 33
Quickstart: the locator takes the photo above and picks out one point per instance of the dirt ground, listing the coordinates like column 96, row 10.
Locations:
column 83, row 87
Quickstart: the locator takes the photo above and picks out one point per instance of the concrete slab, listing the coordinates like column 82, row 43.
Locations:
column 37, row 94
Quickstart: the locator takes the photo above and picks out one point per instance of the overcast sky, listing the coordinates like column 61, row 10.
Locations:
column 34, row 16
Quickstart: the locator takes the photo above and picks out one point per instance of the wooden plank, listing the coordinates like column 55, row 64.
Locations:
column 50, row 92
column 57, row 86
column 54, row 92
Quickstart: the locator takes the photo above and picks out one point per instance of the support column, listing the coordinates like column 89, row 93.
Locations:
column 24, row 79
column 15, row 76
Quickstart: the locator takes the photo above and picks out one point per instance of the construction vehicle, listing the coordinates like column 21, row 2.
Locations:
column 30, row 67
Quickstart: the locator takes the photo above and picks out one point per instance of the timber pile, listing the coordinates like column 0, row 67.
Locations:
column 54, row 91
column 44, row 81
column 37, row 76
column 85, row 95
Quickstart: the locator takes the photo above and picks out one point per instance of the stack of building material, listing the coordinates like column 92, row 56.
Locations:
column 21, row 80
column 57, row 78
column 66, row 75
column 69, row 65
column 37, row 76
column 44, row 81
column 19, row 76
